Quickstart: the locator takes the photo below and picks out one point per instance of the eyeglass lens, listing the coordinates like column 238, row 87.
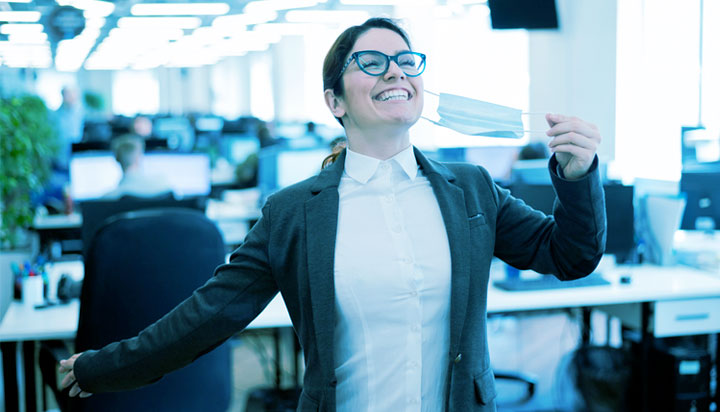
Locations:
column 377, row 63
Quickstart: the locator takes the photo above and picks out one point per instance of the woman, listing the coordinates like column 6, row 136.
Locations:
column 383, row 258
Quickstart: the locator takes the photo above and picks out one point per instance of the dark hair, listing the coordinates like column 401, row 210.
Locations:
column 339, row 51
column 127, row 148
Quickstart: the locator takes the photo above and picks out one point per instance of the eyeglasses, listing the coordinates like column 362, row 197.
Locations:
column 376, row 63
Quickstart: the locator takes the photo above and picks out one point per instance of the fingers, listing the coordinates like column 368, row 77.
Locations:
column 560, row 124
column 75, row 391
column 66, row 366
column 571, row 131
column 68, row 380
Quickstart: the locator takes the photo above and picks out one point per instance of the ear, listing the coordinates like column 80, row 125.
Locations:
column 334, row 103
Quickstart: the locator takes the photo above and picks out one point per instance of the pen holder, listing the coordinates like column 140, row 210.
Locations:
column 32, row 291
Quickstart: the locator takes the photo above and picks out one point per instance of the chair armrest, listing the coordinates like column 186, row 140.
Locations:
column 54, row 350
column 51, row 353
column 530, row 381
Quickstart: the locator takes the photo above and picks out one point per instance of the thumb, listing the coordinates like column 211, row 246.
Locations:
column 551, row 119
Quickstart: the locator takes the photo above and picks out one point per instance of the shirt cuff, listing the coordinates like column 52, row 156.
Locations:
column 557, row 170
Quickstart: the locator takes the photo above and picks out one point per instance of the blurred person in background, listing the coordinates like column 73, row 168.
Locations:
column 142, row 126
column 69, row 123
column 129, row 150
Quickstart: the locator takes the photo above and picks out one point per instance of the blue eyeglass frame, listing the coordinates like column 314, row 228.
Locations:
column 388, row 59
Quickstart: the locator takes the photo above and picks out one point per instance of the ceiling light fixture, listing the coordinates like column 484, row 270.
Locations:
column 327, row 16
column 159, row 22
column 179, row 9
column 20, row 16
column 17, row 28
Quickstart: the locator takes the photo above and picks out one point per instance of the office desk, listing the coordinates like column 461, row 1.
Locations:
column 651, row 287
column 232, row 218
column 27, row 325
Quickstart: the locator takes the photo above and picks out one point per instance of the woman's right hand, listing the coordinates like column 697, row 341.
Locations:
column 67, row 366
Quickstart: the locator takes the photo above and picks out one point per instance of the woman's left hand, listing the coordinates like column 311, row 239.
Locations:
column 574, row 142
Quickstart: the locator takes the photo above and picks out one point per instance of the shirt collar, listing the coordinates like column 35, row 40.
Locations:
column 362, row 168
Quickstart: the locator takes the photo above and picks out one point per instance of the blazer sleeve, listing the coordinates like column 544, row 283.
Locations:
column 226, row 304
column 569, row 243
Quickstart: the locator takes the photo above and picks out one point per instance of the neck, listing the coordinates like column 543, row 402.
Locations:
column 380, row 144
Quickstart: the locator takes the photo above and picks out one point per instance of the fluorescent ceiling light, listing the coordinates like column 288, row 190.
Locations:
column 234, row 20
column 95, row 23
column 159, row 22
column 17, row 28
column 28, row 38
column 326, row 16
column 289, row 29
column 145, row 33
column 262, row 5
column 378, row 2
column 179, row 9
column 20, row 16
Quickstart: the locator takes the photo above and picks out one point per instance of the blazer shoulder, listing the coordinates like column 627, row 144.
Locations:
column 467, row 172
column 293, row 194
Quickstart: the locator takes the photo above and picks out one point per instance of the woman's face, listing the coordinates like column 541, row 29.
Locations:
column 365, row 101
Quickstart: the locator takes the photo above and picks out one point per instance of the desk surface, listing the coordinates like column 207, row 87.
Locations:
column 648, row 284
column 218, row 211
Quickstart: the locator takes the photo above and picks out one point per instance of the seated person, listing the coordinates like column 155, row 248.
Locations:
column 128, row 150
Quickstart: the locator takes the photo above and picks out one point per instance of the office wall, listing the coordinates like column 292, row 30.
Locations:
column 572, row 70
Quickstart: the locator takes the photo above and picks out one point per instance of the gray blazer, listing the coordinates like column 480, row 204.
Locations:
column 291, row 250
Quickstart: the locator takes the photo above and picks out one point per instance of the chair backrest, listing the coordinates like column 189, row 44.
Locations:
column 139, row 265
column 94, row 212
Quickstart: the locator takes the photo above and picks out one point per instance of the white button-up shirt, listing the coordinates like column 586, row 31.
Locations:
column 392, row 286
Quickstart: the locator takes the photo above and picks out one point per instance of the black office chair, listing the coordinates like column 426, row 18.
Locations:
column 138, row 266
column 94, row 212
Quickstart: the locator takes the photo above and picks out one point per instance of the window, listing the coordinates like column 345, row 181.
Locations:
column 135, row 92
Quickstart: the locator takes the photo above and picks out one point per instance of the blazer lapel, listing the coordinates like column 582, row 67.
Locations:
column 321, row 214
column 452, row 206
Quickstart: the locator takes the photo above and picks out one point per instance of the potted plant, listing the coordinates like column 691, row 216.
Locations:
column 27, row 146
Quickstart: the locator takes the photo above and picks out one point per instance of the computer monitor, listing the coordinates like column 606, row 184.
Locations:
column 237, row 147
column 93, row 174
column 618, row 205
column 188, row 173
column 498, row 160
column 209, row 124
column 701, row 187
column 178, row 131
column 279, row 166
column 534, row 171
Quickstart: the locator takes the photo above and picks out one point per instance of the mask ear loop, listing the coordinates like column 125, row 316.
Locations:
column 523, row 114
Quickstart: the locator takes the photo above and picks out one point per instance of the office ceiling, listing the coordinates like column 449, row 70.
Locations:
column 71, row 35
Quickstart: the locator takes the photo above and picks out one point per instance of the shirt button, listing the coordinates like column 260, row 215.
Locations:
column 412, row 365
column 413, row 293
column 407, row 260
column 389, row 198
column 385, row 166
column 415, row 328
column 397, row 229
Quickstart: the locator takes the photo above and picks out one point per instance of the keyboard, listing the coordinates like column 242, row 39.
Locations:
column 546, row 282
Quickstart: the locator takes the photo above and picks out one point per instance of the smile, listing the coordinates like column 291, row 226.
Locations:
column 394, row 94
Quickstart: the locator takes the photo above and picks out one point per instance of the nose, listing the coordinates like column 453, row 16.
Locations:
column 394, row 71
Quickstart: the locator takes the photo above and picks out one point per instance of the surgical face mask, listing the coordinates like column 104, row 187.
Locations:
column 478, row 118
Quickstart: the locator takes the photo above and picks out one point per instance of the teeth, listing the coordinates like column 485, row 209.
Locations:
column 392, row 95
